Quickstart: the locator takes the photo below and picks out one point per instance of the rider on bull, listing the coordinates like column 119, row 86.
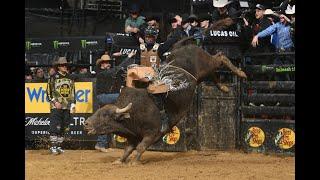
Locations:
column 149, row 57
column 149, row 47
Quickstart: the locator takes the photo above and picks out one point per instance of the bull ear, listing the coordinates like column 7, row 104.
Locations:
column 122, row 116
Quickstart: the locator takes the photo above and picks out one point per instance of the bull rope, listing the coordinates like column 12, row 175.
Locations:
column 184, row 71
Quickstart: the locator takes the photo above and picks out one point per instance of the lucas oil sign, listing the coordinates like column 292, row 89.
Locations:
column 36, row 97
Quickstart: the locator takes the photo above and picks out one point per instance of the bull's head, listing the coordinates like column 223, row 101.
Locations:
column 106, row 119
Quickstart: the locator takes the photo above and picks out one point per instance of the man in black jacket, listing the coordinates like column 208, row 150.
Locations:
column 261, row 23
column 108, row 85
column 174, row 36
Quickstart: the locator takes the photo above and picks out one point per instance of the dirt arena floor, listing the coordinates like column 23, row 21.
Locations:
column 94, row 165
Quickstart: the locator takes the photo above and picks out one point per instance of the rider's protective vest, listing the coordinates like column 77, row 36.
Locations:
column 150, row 58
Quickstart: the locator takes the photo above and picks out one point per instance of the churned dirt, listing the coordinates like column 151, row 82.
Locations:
column 94, row 165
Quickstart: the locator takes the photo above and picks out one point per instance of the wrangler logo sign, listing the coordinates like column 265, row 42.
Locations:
column 36, row 98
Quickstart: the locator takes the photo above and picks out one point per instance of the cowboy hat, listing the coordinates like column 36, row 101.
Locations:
column 104, row 57
column 61, row 60
column 290, row 9
column 221, row 3
column 268, row 12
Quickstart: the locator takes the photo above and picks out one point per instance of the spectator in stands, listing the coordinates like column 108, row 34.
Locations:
column 83, row 71
column 261, row 24
column 282, row 29
column 175, row 35
column 185, row 24
column 205, row 21
column 27, row 74
column 290, row 13
column 284, row 42
column 273, row 17
column 135, row 21
column 39, row 75
column 51, row 71
column 153, row 21
column 223, row 10
column 194, row 21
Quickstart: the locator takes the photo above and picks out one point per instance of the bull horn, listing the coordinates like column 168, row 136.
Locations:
column 127, row 108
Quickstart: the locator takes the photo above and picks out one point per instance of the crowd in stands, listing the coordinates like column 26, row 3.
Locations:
column 267, row 31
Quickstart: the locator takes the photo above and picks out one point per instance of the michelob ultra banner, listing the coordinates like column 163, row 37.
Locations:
column 36, row 97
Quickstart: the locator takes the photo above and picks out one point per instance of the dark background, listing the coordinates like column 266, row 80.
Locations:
column 100, row 23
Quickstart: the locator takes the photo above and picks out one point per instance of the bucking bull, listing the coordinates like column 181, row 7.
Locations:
column 135, row 115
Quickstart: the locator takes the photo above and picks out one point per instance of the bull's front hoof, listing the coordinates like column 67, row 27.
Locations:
column 224, row 89
column 117, row 162
column 135, row 163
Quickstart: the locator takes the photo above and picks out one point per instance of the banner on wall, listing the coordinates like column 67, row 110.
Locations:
column 36, row 98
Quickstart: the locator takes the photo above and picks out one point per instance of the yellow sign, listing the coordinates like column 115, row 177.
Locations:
column 120, row 139
column 36, row 98
column 173, row 137
column 285, row 138
column 255, row 137
column 84, row 97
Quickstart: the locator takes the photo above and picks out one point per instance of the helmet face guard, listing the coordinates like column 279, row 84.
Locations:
column 150, row 35
column 150, row 39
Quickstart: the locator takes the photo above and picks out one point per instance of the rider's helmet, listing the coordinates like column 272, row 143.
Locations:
column 150, row 35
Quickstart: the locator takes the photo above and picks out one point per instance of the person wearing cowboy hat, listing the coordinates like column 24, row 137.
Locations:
column 282, row 29
column 223, row 10
column 134, row 22
column 290, row 12
column 284, row 41
column 104, row 95
column 61, row 94
column 108, row 86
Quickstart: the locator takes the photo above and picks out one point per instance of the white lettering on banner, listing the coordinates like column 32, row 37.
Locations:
column 64, row 43
column 30, row 121
column 224, row 33
column 36, row 44
column 40, row 132
column 125, row 51
column 44, row 121
column 121, row 34
column 92, row 42
column 76, row 132
column 78, row 121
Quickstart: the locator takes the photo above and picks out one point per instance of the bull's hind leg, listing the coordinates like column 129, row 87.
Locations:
column 141, row 148
column 226, row 62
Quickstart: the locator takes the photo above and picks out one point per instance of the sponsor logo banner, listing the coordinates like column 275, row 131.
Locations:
column 285, row 138
column 172, row 137
column 36, row 97
column 255, row 137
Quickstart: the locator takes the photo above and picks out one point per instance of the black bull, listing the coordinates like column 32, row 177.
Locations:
column 135, row 115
